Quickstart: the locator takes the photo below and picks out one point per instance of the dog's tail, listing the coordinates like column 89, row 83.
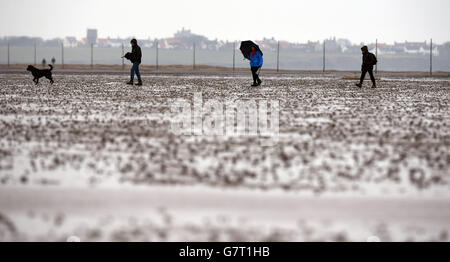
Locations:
column 51, row 67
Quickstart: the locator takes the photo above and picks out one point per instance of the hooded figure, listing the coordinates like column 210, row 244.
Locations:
column 135, row 57
column 256, row 62
column 368, row 61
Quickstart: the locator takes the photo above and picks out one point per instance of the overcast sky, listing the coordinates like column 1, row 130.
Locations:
column 296, row 20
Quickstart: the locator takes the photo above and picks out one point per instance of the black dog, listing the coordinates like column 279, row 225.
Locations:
column 38, row 73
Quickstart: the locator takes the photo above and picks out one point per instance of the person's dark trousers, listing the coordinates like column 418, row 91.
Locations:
column 135, row 69
column 255, row 74
column 363, row 75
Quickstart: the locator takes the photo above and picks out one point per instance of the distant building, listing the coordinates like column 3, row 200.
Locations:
column 332, row 46
column 184, row 39
column 183, row 33
column 412, row 47
column 70, row 41
column 103, row 42
column 91, row 36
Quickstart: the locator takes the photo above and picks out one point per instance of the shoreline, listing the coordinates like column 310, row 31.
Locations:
column 210, row 70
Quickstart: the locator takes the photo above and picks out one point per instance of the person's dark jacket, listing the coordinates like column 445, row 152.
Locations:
column 136, row 54
column 368, row 61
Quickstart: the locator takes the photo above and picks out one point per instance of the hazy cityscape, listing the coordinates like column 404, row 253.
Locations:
column 184, row 39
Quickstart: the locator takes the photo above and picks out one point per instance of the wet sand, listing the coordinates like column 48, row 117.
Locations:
column 93, row 157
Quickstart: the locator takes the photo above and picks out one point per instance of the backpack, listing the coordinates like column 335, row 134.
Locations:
column 374, row 59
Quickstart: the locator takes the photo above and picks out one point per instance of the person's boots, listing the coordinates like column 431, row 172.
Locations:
column 374, row 86
column 359, row 85
column 139, row 83
column 130, row 82
column 259, row 82
column 254, row 84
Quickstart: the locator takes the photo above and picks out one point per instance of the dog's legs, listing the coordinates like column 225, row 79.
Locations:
column 50, row 78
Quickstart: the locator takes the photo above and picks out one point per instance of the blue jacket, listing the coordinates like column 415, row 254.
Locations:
column 256, row 60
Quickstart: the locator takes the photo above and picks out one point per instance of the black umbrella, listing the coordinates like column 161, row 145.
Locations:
column 246, row 48
column 128, row 56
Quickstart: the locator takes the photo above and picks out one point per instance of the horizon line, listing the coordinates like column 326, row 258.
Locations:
column 227, row 40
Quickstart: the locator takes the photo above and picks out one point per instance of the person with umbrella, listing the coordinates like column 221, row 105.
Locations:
column 252, row 52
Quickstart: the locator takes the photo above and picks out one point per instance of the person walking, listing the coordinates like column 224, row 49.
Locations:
column 135, row 57
column 256, row 62
column 53, row 61
column 44, row 63
column 368, row 61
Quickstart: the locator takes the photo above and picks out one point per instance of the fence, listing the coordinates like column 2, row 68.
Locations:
column 279, row 59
